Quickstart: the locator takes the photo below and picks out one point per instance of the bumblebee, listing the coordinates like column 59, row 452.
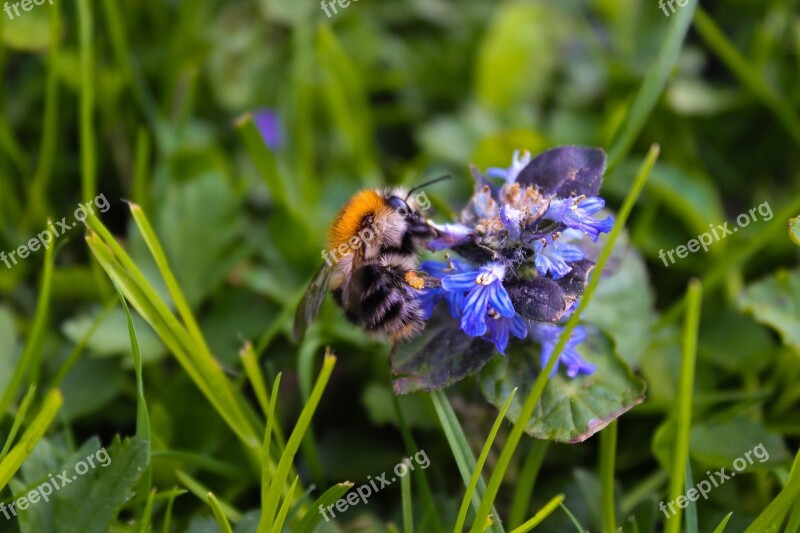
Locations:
column 370, row 265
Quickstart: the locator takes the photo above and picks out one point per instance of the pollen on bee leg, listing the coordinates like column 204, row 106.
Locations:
column 414, row 280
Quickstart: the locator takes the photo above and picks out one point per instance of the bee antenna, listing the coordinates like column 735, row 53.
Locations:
column 431, row 182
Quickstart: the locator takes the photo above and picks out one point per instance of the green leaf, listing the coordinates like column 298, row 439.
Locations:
column 95, row 500
column 719, row 444
column 775, row 301
column 571, row 410
column 518, row 55
column 110, row 337
column 189, row 211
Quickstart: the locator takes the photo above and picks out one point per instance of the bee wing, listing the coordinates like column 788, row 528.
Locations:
column 309, row 306
column 440, row 357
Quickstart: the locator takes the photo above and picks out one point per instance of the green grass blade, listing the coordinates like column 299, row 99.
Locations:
column 572, row 518
column 284, row 510
column 32, row 353
column 266, row 463
column 219, row 516
column 292, row 445
column 460, row 447
column 476, row 471
column 47, row 152
column 408, row 504
column 14, row 459
column 141, row 91
column 199, row 490
column 426, row 495
column 205, row 360
column 313, row 516
column 793, row 524
column 256, row 378
column 250, row 365
column 87, row 133
column 608, row 450
column 691, row 508
column 165, row 324
column 747, row 73
column 168, row 512
column 541, row 380
column 539, row 517
column 653, row 84
column 196, row 360
column 721, row 527
column 19, row 418
column 142, row 416
column 140, row 187
column 776, row 511
column 147, row 515
column 694, row 297
column 523, row 492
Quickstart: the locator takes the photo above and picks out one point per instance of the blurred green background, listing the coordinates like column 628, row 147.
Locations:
column 153, row 102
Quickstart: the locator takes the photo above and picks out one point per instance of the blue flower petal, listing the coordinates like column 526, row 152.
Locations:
column 473, row 315
column 548, row 334
column 500, row 301
column 577, row 214
column 553, row 256
column 459, row 282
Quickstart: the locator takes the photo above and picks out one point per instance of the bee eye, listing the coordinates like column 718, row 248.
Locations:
column 399, row 204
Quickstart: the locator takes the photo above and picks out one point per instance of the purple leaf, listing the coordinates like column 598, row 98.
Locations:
column 566, row 171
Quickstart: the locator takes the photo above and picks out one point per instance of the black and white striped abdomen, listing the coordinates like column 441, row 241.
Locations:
column 378, row 298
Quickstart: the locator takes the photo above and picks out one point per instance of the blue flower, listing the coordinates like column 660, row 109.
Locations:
column 483, row 287
column 510, row 174
column 430, row 297
column 499, row 328
column 552, row 256
column 548, row 334
column 268, row 123
column 577, row 213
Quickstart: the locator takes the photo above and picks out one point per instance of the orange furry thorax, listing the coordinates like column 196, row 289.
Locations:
column 349, row 220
